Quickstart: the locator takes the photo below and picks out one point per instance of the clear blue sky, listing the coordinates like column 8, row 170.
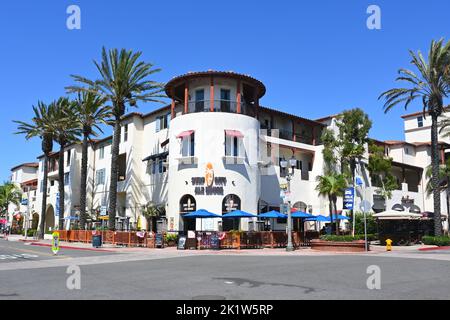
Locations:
column 315, row 57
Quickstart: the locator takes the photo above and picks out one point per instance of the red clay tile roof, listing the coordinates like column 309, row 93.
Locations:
column 229, row 74
column 28, row 165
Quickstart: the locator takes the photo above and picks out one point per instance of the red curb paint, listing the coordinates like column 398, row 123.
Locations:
column 434, row 249
column 71, row 248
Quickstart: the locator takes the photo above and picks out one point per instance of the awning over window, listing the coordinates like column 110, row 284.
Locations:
column 234, row 133
column 185, row 134
column 154, row 157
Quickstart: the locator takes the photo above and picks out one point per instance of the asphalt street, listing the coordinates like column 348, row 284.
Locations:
column 222, row 276
column 13, row 251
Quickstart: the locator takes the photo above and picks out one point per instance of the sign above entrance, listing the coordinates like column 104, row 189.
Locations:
column 349, row 198
column 209, row 184
column 188, row 204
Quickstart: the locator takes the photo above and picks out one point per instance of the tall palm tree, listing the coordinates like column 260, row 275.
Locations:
column 9, row 194
column 91, row 112
column 123, row 81
column 431, row 86
column 444, row 181
column 65, row 130
column 332, row 185
column 40, row 126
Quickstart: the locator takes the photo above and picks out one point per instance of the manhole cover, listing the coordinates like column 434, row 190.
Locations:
column 208, row 297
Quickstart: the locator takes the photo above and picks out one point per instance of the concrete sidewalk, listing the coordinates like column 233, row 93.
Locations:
column 374, row 249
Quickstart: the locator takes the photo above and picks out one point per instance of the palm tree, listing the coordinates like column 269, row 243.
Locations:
column 40, row 126
column 444, row 181
column 123, row 80
column 90, row 112
column 332, row 185
column 9, row 194
column 152, row 211
column 65, row 130
column 431, row 86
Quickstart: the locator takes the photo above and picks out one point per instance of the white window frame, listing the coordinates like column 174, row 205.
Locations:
column 420, row 123
column 101, row 152
column 230, row 143
column 100, row 177
column 187, row 143
column 125, row 132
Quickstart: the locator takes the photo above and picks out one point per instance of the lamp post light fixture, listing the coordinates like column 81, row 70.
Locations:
column 289, row 174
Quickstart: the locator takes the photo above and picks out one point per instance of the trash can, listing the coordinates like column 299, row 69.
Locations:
column 97, row 241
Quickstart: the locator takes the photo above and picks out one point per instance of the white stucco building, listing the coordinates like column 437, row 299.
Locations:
column 216, row 148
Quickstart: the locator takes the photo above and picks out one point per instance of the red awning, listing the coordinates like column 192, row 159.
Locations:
column 185, row 134
column 234, row 133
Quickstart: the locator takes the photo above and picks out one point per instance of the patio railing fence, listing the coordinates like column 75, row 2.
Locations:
column 203, row 240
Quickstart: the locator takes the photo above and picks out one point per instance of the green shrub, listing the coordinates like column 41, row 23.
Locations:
column 171, row 236
column 437, row 241
column 359, row 223
column 30, row 232
column 370, row 237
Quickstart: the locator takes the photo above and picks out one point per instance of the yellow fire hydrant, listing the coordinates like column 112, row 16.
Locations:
column 388, row 245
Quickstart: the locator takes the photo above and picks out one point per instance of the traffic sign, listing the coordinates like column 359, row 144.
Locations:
column 365, row 206
column 349, row 196
column 55, row 242
column 24, row 202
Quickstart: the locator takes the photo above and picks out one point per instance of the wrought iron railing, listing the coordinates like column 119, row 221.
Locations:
column 220, row 106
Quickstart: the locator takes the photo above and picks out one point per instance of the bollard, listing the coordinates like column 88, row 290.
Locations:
column 388, row 245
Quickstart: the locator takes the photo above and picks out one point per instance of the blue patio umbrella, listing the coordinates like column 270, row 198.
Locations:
column 201, row 214
column 300, row 214
column 238, row 214
column 321, row 218
column 272, row 215
column 72, row 218
column 340, row 217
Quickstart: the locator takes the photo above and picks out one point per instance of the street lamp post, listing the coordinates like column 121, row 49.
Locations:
column 289, row 175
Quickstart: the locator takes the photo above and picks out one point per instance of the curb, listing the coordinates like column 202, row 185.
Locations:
column 69, row 247
column 435, row 248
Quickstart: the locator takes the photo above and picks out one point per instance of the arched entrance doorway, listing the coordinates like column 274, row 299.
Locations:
column 230, row 203
column 298, row 223
column 187, row 205
column 49, row 218
column 35, row 221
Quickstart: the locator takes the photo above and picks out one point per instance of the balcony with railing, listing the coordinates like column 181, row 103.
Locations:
column 227, row 106
column 305, row 138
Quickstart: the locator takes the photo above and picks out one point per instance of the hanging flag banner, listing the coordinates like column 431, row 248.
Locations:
column 349, row 198
column 57, row 205
column 55, row 242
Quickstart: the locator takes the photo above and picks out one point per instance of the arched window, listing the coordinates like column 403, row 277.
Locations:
column 415, row 209
column 230, row 203
column 187, row 204
column 301, row 206
column 398, row 207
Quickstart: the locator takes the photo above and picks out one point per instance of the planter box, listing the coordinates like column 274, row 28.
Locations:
column 339, row 246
